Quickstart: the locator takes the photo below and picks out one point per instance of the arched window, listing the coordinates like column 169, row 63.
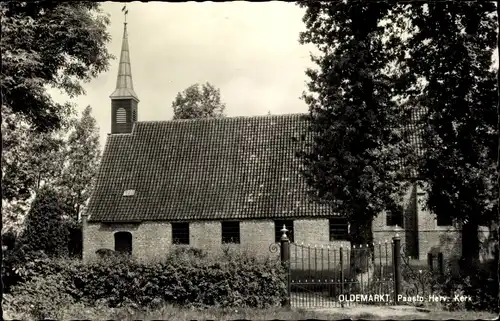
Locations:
column 121, row 116
column 123, row 242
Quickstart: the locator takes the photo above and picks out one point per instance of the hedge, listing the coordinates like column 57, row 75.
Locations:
column 181, row 279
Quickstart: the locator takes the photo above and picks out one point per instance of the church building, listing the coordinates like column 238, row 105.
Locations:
column 210, row 183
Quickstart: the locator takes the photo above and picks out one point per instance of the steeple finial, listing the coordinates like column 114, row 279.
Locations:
column 125, row 13
column 124, row 85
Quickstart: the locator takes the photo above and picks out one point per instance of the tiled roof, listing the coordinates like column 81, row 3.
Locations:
column 229, row 168
column 414, row 131
column 222, row 168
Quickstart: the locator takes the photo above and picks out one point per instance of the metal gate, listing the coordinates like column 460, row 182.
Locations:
column 339, row 276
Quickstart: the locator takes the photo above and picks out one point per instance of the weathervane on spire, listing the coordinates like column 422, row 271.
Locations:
column 125, row 12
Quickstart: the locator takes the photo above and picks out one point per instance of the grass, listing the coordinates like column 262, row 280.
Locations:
column 170, row 312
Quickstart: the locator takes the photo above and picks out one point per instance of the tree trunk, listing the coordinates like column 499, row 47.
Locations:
column 361, row 255
column 470, row 247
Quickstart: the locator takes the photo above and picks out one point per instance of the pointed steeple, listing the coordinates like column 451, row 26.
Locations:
column 124, row 85
column 124, row 100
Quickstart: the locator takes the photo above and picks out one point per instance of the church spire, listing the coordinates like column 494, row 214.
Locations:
column 124, row 86
column 124, row 100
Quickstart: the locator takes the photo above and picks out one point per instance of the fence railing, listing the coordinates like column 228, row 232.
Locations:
column 356, row 270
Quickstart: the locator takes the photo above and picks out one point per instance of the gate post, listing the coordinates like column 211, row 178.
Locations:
column 285, row 260
column 396, row 262
column 430, row 261
column 440, row 264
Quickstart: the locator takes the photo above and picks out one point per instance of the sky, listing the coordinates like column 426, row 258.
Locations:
column 250, row 51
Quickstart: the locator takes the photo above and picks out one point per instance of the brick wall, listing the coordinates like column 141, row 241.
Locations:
column 420, row 234
column 383, row 234
column 313, row 249
column 433, row 238
column 152, row 240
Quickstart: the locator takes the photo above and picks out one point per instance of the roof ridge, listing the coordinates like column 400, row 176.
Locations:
column 220, row 118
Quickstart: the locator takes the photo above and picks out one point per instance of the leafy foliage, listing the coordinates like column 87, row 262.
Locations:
column 66, row 159
column 41, row 297
column 227, row 281
column 52, row 44
column 449, row 67
column 82, row 161
column 184, row 279
column 383, row 64
column 46, row 227
column 354, row 159
column 30, row 159
column 198, row 102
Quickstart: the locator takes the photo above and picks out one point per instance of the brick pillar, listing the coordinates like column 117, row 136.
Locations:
column 285, row 260
column 396, row 259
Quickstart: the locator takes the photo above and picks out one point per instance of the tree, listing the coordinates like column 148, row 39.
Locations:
column 66, row 159
column 442, row 52
column 196, row 102
column 44, row 44
column 451, row 49
column 82, row 161
column 56, row 44
column 30, row 160
column 353, row 162
column 46, row 227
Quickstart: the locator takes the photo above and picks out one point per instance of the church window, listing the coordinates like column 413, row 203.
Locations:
column 180, row 233
column 230, row 232
column 123, row 242
column 394, row 218
column 121, row 116
column 339, row 228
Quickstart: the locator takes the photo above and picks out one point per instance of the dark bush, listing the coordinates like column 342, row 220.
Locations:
column 22, row 264
column 482, row 287
column 41, row 297
column 9, row 239
column 185, row 279
column 46, row 229
column 75, row 240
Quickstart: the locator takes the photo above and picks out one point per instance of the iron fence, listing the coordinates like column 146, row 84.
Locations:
column 338, row 276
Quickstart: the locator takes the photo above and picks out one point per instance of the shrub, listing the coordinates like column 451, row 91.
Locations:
column 108, row 253
column 234, row 279
column 9, row 239
column 183, row 279
column 16, row 265
column 40, row 297
column 46, row 229
column 189, row 251
column 482, row 287
column 20, row 265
